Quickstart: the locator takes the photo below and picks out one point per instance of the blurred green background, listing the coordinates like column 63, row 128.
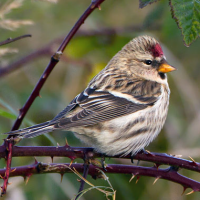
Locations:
column 103, row 34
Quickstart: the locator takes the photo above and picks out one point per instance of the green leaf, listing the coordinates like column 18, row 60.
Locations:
column 7, row 114
column 143, row 3
column 187, row 15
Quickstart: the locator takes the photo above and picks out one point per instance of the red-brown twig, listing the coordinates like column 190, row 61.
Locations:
column 54, row 60
column 86, row 167
column 80, row 152
column 169, row 173
column 9, row 40
column 8, row 145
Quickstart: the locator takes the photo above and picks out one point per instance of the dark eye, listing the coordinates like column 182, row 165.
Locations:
column 148, row 62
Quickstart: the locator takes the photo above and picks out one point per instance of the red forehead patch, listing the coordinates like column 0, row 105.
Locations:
column 157, row 51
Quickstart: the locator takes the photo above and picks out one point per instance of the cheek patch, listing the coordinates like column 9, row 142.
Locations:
column 157, row 51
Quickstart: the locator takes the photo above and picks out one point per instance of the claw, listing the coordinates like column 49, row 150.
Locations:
column 132, row 157
column 52, row 159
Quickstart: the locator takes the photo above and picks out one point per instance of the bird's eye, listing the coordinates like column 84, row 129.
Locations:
column 148, row 62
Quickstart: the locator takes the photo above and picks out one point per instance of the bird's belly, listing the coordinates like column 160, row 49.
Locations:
column 126, row 134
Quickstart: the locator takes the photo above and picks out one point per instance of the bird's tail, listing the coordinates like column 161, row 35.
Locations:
column 32, row 131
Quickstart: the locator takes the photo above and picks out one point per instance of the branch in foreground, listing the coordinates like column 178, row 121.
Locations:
column 169, row 173
column 81, row 152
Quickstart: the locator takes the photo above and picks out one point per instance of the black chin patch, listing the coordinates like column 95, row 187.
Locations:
column 162, row 75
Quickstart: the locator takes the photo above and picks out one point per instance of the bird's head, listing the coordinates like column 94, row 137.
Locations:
column 145, row 59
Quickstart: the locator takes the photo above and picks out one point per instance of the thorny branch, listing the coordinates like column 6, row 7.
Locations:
column 158, row 159
column 54, row 60
column 169, row 173
column 80, row 152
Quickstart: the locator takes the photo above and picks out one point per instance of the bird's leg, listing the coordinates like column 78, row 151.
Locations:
column 103, row 161
column 132, row 158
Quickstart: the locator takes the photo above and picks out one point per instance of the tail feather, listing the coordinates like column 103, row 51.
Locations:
column 33, row 131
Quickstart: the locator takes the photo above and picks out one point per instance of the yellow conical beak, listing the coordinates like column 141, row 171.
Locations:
column 165, row 67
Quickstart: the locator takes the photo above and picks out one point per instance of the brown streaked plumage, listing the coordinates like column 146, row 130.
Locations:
column 123, row 107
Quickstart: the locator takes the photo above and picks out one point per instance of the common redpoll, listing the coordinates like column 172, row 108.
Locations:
column 123, row 108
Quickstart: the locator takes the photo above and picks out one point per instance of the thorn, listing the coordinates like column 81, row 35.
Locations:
column 149, row 152
column 193, row 161
column 132, row 177
column 138, row 177
column 71, row 162
column 13, row 170
column 190, row 192
column 99, row 7
column 184, row 188
column 10, row 183
column 52, row 159
column 156, row 180
column 156, row 165
column 26, row 178
column 178, row 156
column 78, row 180
column 36, row 162
column 58, row 145
column 61, row 177
column 39, row 96
column 1, row 177
column 66, row 142
column 191, row 158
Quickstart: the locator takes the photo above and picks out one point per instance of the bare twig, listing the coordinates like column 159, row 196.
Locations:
column 9, row 40
column 48, row 49
column 85, row 173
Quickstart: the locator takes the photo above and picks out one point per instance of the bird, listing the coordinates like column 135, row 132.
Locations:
column 123, row 108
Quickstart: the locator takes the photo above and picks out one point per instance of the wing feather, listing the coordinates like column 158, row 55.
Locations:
column 93, row 106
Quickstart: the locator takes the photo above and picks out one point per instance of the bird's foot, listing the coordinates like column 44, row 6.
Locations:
column 99, row 163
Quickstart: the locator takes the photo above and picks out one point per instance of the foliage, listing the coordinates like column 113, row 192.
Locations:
column 187, row 16
column 181, row 133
